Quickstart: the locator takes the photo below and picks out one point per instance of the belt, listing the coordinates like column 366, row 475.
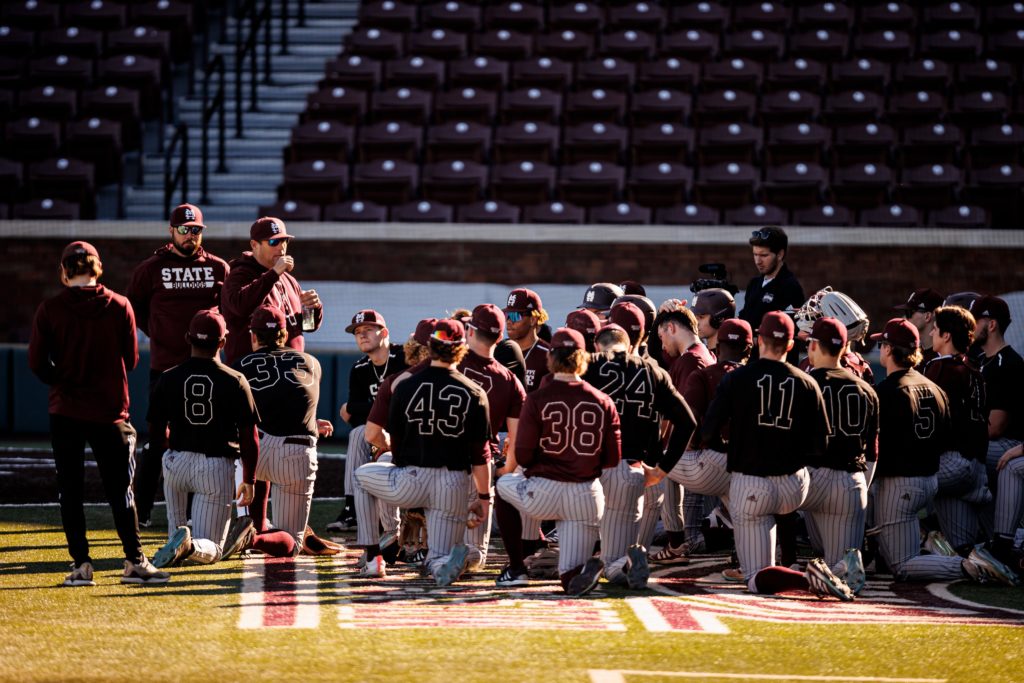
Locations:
column 297, row 440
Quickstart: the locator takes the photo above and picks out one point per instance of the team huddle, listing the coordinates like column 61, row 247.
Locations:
column 577, row 442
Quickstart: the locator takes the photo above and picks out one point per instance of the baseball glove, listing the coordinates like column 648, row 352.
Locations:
column 413, row 535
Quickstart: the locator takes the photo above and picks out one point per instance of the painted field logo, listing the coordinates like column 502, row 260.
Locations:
column 700, row 598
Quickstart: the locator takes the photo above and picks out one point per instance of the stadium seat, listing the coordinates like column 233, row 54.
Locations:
column 422, row 211
column 610, row 73
column 867, row 142
column 931, row 186
column 620, row 213
column 826, row 215
column 72, row 40
column 458, row 140
column 454, row 182
column 291, row 210
column 756, row 214
column 863, row 73
column 821, row 43
column 49, row 102
column 388, row 14
column 35, row 16
column 542, row 72
column 417, row 71
column 98, row 142
column 796, row 185
column 116, row 104
column 916, row 107
column 503, row 44
column 979, row 108
column 526, row 140
column 401, row 104
column 890, row 216
column 531, row 104
column 887, row 45
column 809, row 142
column 568, row 44
column 935, row 143
column 102, row 16
column 985, row 74
column 11, row 180
column 480, row 72
column 354, row 71
column 996, row 144
column 32, row 139
column 729, row 142
column 64, row 178
column 16, row 42
column 375, row 43
column 727, row 185
column 687, row 214
column 736, row 73
column 669, row 72
column 597, row 104
column 318, row 181
column 999, row 189
column 953, row 45
column 356, row 211
column 320, row 140
column 521, row 16
column 796, row 74
column 862, row 185
column 554, row 212
column 386, row 181
column 724, row 105
column 591, row 183
column 577, row 16
column 47, row 209
column 523, row 182
column 138, row 72
column 642, row 16
column 489, row 211
column 959, row 15
column 759, row 44
column 712, row 16
column 594, row 142
column 660, row 184
column 466, row 104
column 961, row 216
column 171, row 16
column 662, row 142
column 768, row 15
column 924, row 74
column 629, row 44
column 856, row 106
column 63, row 70
column 141, row 40
column 789, row 106
column 662, row 105
column 390, row 140
column 692, row 44
column 454, row 15
column 825, row 14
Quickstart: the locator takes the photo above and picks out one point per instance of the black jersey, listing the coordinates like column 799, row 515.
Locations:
column 965, row 389
column 438, row 418
column 643, row 395
column 207, row 405
column 776, row 415
column 1004, row 377
column 364, row 379
column 913, row 425
column 286, row 386
column 852, row 407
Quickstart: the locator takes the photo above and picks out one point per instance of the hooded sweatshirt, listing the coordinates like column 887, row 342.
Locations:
column 250, row 285
column 166, row 290
column 83, row 345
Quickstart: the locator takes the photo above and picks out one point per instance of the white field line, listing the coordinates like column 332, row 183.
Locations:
column 619, row 676
column 251, row 614
column 253, row 598
column 941, row 590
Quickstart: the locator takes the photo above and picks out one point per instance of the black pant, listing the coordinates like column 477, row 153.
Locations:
column 113, row 447
column 150, row 464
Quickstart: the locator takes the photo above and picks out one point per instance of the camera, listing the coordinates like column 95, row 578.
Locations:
column 717, row 278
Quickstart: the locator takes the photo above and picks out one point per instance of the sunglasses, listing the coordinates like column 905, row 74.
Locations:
column 274, row 241
column 513, row 317
column 445, row 336
column 762, row 234
column 186, row 229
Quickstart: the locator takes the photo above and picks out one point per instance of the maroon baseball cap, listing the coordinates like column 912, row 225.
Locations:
column 991, row 307
column 567, row 338
column 367, row 316
column 899, row 332
column 207, row 327
column 829, row 331
column 921, row 300
column 488, row 317
column 79, row 247
column 584, row 321
column 187, row 214
column 267, row 228
column 736, row 332
column 267, row 317
column 424, row 329
column 523, row 300
column 448, row 331
column 630, row 318
column 776, row 325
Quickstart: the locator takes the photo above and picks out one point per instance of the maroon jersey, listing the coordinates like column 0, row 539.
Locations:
column 166, row 290
column 965, row 388
column 699, row 391
column 83, row 345
column 568, row 431
column 852, row 361
column 382, row 403
column 697, row 356
column 505, row 393
column 249, row 285
column 927, row 355
column 536, row 359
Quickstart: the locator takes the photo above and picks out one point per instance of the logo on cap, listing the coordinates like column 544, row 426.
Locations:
column 275, row 228
column 511, row 300
column 590, row 295
column 360, row 317
column 190, row 215
column 732, row 336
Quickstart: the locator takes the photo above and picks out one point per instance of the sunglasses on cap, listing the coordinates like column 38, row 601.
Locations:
column 513, row 316
column 444, row 336
column 762, row 234
column 274, row 241
column 186, row 229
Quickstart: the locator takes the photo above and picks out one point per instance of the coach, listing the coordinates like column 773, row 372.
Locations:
column 775, row 288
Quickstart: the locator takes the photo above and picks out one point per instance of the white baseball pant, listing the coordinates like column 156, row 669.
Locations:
column 478, row 538
column 623, row 488
column 835, row 510
column 654, row 496
column 1010, row 499
column 290, row 467
column 359, row 453
column 577, row 508
column 211, row 480
column 961, row 498
column 755, row 502
column 897, row 502
column 996, row 448
column 703, row 472
column 672, row 507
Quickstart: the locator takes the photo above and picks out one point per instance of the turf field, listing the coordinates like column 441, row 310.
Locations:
column 249, row 619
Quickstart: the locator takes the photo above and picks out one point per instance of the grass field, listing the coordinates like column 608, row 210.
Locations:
column 314, row 619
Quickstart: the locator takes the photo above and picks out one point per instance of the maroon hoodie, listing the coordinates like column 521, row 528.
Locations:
column 83, row 345
column 249, row 285
column 166, row 290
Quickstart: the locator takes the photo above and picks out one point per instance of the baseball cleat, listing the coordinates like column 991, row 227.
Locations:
column 415, row 557
column 543, row 564
column 343, row 523
column 240, row 537
column 637, row 569
column 734, row 575
column 80, row 575
column 983, row 567
column 374, row 569
column 177, row 548
column 935, row 543
column 512, row 578
column 587, row 579
column 671, row 555
column 449, row 572
column 823, row 582
column 854, row 574
column 143, row 573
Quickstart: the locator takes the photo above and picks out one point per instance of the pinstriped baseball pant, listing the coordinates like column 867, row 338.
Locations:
column 212, row 481
column 650, row 512
column 703, row 476
column 672, row 507
column 1010, row 500
column 897, row 502
column 577, row 508
column 479, row 537
column 996, row 448
column 359, row 453
column 291, row 470
column 623, row 488
column 962, row 495
column 755, row 502
column 836, row 505
column 441, row 492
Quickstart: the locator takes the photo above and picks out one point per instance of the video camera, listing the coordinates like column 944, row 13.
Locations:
column 717, row 278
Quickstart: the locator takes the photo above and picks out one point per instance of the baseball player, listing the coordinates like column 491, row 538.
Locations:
column 712, row 307
column 83, row 345
column 1009, row 509
column 586, row 323
column 914, row 430
column 777, row 427
column 828, row 303
column 919, row 309
column 650, row 314
column 524, row 314
column 963, row 482
column 837, row 499
column 440, row 440
column 166, row 290
column 568, row 433
column 286, row 387
column 212, row 419
column 644, row 395
column 382, row 359
column 599, row 298
column 775, row 287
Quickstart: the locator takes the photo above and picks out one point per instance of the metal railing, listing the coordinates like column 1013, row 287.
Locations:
column 285, row 16
column 180, row 174
column 217, row 104
column 257, row 17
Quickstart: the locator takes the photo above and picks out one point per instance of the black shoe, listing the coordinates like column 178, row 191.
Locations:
column 344, row 522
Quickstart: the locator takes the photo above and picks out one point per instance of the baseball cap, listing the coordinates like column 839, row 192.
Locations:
column 736, row 332
column 488, row 318
column 583, row 321
column 713, row 301
column 187, row 214
column 268, row 228
column 267, row 317
column 79, row 247
column 207, row 326
column 367, row 316
column 448, row 331
column 829, row 331
column 991, row 307
column 523, row 300
column 921, row 300
column 961, row 299
column 899, row 332
column 424, row 329
column 600, row 296
column 645, row 305
column 632, row 287
column 776, row 325
column 566, row 338
column 630, row 318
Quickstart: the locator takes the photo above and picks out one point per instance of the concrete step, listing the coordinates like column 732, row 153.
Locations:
column 316, row 10
column 283, row 85
column 319, row 32
column 257, row 165
column 265, row 105
column 136, row 197
column 213, row 214
column 280, row 63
